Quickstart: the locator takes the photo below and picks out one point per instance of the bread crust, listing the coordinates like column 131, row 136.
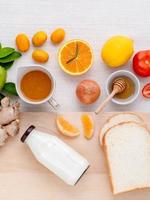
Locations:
column 109, row 170
column 114, row 115
column 130, row 122
column 108, row 163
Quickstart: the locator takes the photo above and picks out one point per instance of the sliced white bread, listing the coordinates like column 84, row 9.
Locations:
column 116, row 119
column 127, row 148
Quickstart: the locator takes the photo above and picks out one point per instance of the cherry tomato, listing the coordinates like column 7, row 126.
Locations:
column 146, row 91
column 141, row 63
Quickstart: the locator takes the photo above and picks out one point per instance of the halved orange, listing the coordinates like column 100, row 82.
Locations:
column 75, row 57
column 66, row 128
column 88, row 126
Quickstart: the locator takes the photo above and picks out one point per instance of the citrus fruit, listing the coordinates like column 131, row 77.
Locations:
column 39, row 38
column 88, row 125
column 40, row 55
column 66, row 128
column 57, row 36
column 22, row 42
column 75, row 57
column 3, row 77
column 117, row 51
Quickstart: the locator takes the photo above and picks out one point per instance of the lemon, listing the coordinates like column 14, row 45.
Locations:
column 117, row 51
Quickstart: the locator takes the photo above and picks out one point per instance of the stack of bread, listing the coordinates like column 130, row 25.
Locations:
column 126, row 143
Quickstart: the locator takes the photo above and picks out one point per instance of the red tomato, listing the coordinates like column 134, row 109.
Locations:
column 141, row 63
column 146, row 91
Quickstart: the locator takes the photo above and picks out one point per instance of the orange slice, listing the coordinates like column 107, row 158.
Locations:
column 66, row 128
column 88, row 126
column 75, row 57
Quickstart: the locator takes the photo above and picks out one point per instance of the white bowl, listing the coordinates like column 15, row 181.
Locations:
column 129, row 74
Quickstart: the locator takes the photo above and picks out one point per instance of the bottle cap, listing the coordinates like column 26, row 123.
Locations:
column 27, row 132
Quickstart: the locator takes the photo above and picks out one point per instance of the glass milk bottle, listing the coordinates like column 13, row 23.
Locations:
column 56, row 155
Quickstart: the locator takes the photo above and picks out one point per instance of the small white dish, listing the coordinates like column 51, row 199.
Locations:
column 121, row 73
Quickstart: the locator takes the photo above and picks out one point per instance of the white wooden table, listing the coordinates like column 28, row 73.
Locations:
column 93, row 21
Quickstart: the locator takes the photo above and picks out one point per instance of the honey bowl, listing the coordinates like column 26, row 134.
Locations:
column 132, row 91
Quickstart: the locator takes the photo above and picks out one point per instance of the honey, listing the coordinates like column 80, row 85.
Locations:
column 129, row 91
column 36, row 85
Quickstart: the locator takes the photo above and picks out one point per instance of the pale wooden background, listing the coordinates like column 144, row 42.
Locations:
column 22, row 177
column 93, row 21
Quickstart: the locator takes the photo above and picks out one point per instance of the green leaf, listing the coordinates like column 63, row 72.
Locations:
column 3, row 76
column 6, row 51
column 10, row 88
column 15, row 55
column 7, row 65
column 0, row 45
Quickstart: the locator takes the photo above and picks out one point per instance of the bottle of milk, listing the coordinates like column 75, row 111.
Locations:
column 57, row 156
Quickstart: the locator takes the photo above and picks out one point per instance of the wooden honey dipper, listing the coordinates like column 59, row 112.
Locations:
column 119, row 85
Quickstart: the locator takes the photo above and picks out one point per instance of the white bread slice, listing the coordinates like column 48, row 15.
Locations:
column 116, row 119
column 127, row 148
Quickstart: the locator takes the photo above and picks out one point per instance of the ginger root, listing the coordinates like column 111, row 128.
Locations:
column 9, row 120
column 3, row 136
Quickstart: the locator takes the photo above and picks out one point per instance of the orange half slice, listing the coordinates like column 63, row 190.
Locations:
column 75, row 57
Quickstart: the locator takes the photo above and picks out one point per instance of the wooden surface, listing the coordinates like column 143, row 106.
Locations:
column 92, row 20
column 23, row 178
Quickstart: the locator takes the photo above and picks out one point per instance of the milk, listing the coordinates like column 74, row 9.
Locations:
column 56, row 155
